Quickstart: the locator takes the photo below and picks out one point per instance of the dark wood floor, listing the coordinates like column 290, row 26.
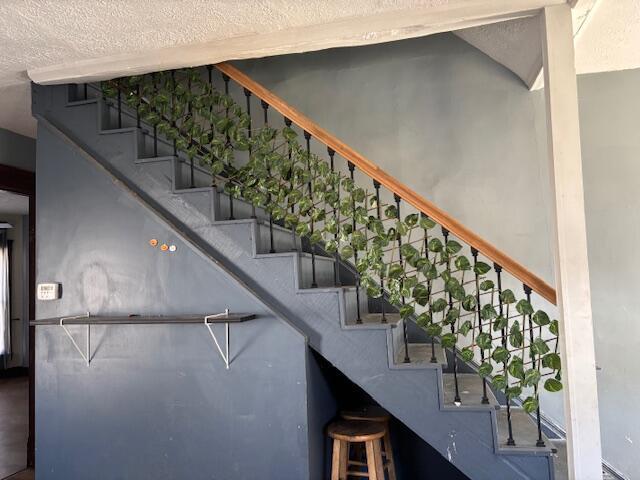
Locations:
column 14, row 425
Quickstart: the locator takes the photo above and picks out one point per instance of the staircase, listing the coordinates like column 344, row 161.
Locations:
column 482, row 429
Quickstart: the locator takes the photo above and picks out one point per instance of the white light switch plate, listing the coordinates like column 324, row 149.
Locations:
column 48, row 291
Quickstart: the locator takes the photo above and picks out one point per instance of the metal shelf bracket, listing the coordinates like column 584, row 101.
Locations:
column 86, row 357
column 225, row 354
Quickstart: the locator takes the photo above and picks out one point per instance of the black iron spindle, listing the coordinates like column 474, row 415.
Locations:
column 155, row 126
column 265, row 108
column 498, row 270
column 247, row 94
column 376, row 186
column 336, row 264
column 137, row 105
column 352, row 169
column 434, row 358
column 86, row 93
column 226, row 79
column 474, row 253
column 405, row 335
column 534, row 364
column 454, row 350
column 192, row 172
column 312, row 247
column 173, row 114
column 119, row 103
column 294, row 241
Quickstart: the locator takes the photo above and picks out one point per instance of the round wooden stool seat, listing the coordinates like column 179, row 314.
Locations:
column 371, row 413
column 356, row 431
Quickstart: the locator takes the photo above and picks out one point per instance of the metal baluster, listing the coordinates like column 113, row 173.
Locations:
column 534, row 364
column 474, row 253
column 336, row 263
column 498, row 269
column 376, row 186
column 226, row 79
column 456, row 399
column 405, row 335
column 294, row 241
column 352, row 169
column 433, row 359
column 137, row 105
column 247, row 94
column 210, row 79
column 119, row 104
column 155, row 127
column 191, row 165
column 86, row 94
column 173, row 115
column 312, row 247
column 265, row 108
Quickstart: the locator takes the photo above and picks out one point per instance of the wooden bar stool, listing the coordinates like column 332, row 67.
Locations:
column 347, row 432
column 373, row 413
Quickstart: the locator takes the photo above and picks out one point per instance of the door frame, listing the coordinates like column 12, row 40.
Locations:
column 23, row 182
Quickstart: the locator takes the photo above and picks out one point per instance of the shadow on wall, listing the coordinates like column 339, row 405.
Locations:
column 415, row 459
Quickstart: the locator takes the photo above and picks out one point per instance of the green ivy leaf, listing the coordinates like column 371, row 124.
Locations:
column 531, row 377
column 487, row 285
column 516, row 368
column 485, row 369
column 453, row 247
column 523, row 307
column 424, row 319
column 499, row 323
column 500, row 355
column 465, row 328
column 481, row 268
column 406, row 311
column 452, row 315
column 515, row 335
column 530, row 404
column 552, row 385
column 435, row 245
column 499, row 382
column 539, row 346
column 346, row 252
column 466, row 354
column 540, row 318
column 488, row 312
column 554, row 328
column 434, row 330
column 483, row 340
column 421, row 294
column 426, row 223
column 552, row 361
column 448, row 340
column 507, row 297
column 469, row 303
column 439, row 305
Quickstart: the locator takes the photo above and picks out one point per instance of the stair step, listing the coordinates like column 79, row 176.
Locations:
column 525, row 431
column 420, row 353
column 374, row 319
column 470, row 390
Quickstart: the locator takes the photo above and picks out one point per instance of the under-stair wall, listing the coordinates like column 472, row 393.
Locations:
column 156, row 401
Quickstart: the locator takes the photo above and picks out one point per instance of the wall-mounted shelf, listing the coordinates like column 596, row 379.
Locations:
column 225, row 318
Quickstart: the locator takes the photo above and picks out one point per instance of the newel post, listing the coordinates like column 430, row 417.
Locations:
column 570, row 246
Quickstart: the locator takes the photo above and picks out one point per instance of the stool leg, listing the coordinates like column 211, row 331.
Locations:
column 344, row 459
column 388, row 451
column 335, row 460
column 375, row 466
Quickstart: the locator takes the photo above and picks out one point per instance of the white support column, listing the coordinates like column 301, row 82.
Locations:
column 570, row 242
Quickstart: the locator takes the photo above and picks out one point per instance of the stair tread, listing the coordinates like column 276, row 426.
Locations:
column 525, row 430
column 469, row 388
column 420, row 353
column 374, row 319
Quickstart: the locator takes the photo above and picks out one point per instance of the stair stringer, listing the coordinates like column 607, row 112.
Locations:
column 365, row 354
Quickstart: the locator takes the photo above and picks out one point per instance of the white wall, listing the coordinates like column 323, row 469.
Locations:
column 464, row 132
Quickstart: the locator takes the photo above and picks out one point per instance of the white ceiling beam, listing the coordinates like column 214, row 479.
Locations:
column 354, row 31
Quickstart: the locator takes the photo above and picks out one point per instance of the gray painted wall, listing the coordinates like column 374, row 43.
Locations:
column 17, row 150
column 461, row 130
column 156, row 402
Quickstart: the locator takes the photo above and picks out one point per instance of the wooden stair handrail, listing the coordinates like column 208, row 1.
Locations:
column 408, row 195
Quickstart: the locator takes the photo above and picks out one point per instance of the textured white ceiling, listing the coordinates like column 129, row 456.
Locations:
column 11, row 203
column 606, row 32
column 35, row 34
